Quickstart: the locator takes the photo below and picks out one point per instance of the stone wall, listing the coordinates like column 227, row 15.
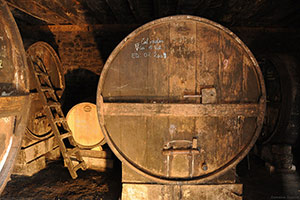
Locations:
column 79, row 50
column 79, row 47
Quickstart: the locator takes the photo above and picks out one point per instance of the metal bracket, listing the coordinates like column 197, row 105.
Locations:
column 181, row 147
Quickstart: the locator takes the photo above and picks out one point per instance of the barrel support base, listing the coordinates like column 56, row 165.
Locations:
column 132, row 191
column 33, row 155
column 97, row 159
column 138, row 187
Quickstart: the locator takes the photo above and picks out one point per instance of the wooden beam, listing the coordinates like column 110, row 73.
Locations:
column 183, row 110
column 38, row 11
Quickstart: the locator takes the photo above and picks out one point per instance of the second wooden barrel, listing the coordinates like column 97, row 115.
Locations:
column 281, row 74
column 181, row 100
column 83, row 122
column 41, row 53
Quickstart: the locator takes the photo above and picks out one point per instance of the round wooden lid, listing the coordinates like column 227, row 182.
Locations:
column 83, row 122
column 181, row 99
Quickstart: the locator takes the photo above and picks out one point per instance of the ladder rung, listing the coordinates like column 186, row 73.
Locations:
column 65, row 135
column 53, row 104
column 71, row 152
column 58, row 120
column 40, row 73
column 46, row 88
column 80, row 165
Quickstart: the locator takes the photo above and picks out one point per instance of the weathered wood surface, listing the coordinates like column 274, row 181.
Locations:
column 177, row 85
column 54, row 154
column 96, row 153
column 29, row 153
column 14, row 94
column 99, row 160
column 180, row 110
column 98, row 164
column 29, row 169
column 182, row 192
column 53, row 12
column 41, row 53
column 33, row 155
column 83, row 122
column 130, row 175
column 32, row 160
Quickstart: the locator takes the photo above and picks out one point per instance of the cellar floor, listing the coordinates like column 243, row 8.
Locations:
column 54, row 182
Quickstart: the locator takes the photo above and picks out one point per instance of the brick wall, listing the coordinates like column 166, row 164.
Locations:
column 82, row 51
column 79, row 47
column 78, row 50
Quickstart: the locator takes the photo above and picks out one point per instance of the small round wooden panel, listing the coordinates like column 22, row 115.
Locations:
column 181, row 99
column 83, row 122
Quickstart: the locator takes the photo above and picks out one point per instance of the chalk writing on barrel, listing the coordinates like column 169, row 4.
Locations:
column 147, row 48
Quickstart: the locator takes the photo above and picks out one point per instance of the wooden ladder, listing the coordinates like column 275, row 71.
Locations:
column 71, row 155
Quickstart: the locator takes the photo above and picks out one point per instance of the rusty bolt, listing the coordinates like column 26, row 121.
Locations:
column 204, row 166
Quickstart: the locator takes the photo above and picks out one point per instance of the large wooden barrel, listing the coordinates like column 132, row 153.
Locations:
column 281, row 74
column 83, row 122
column 181, row 100
column 14, row 93
column 41, row 53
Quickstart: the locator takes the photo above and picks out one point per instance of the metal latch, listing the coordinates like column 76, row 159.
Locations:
column 176, row 147
column 187, row 148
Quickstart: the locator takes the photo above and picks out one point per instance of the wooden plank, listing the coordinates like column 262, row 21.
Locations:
column 98, row 164
column 180, row 110
column 54, row 154
column 183, row 60
column 52, row 11
column 96, row 154
column 182, row 192
column 131, row 176
column 38, row 149
column 31, row 168
column 41, row 11
column 182, row 84
column 230, row 70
